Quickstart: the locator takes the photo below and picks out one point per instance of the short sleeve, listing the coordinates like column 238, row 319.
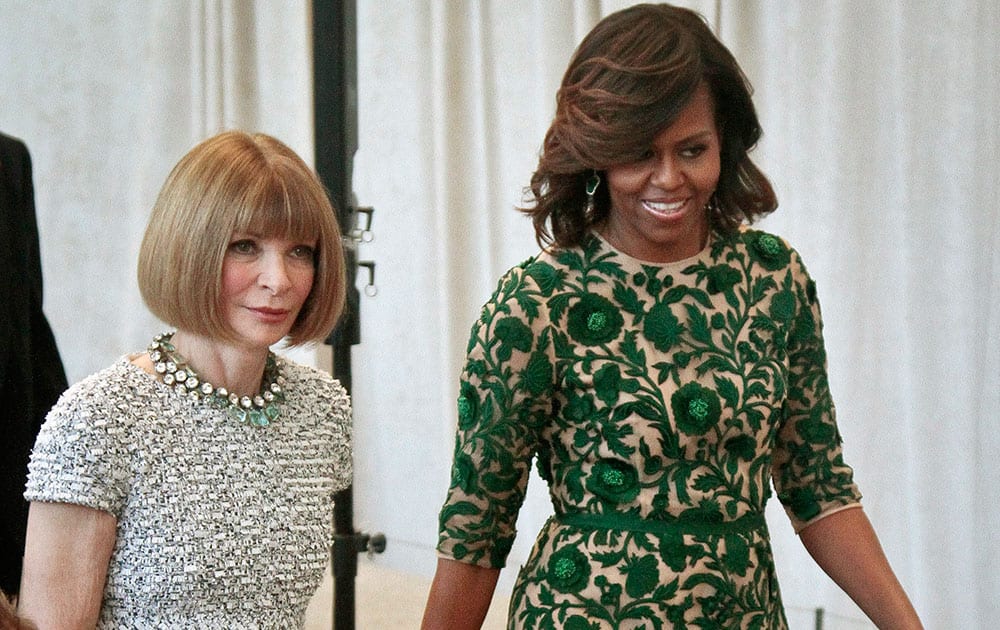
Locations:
column 503, row 401
column 79, row 456
column 809, row 472
column 343, row 456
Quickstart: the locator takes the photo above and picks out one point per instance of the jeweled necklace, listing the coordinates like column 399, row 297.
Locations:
column 259, row 410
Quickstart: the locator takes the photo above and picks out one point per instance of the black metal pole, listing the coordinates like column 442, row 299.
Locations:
column 335, row 111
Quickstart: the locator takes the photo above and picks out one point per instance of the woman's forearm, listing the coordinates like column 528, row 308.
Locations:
column 845, row 546
column 460, row 596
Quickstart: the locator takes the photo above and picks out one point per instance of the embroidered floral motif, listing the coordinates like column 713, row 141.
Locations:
column 614, row 480
column 545, row 275
column 742, row 446
column 464, row 473
column 673, row 551
column 513, row 335
column 696, row 409
column 608, row 383
column 468, row 406
column 642, row 576
column 802, row 502
column 662, row 327
column 783, row 306
column 721, row 278
column 768, row 250
column 578, row 622
column 538, row 374
column 569, row 570
column 737, row 556
column 594, row 320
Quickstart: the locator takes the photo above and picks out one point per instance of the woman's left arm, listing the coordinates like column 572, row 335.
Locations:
column 845, row 546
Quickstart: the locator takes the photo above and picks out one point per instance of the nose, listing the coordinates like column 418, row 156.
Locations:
column 667, row 173
column 274, row 274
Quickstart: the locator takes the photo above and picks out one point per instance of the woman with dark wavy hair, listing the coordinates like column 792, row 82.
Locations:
column 663, row 362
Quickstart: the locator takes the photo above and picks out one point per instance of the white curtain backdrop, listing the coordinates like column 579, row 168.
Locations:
column 881, row 134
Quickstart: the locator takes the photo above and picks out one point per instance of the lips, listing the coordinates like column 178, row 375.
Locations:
column 269, row 314
column 664, row 208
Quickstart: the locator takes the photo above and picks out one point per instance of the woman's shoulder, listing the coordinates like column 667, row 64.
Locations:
column 766, row 249
column 312, row 380
column 111, row 389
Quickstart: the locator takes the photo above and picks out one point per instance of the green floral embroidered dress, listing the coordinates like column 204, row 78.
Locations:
column 660, row 401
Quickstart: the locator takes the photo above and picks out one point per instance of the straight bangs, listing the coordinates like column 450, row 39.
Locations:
column 280, row 203
column 237, row 182
column 285, row 200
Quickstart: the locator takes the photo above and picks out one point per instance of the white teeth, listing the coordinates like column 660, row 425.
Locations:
column 661, row 207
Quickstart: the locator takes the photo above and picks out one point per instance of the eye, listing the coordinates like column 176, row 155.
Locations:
column 694, row 151
column 303, row 252
column 244, row 246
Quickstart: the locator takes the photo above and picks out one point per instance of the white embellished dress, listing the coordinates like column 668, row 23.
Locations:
column 221, row 525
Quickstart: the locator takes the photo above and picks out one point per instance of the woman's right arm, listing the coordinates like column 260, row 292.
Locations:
column 460, row 596
column 66, row 556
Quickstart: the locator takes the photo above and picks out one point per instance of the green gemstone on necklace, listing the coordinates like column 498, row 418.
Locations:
column 258, row 410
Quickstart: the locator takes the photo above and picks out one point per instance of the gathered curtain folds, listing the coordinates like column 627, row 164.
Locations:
column 880, row 136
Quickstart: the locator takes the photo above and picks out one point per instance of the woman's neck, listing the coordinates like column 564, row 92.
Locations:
column 223, row 364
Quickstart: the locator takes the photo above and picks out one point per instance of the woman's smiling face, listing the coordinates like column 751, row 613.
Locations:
column 658, row 203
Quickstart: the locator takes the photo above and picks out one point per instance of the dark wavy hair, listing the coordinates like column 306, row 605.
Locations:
column 627, row 81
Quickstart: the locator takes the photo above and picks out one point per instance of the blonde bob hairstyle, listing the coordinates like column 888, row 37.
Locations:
column 229, row 183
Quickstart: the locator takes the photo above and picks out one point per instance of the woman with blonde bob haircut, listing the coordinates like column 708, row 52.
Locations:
column 191, row 485
column 265, row 185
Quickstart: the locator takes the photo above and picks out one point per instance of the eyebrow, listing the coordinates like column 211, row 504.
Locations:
column 698, row 135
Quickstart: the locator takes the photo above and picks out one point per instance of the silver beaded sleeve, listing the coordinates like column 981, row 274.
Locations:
column 220, row 524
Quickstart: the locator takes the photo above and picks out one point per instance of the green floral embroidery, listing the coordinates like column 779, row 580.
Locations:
column 742, row 446
column 464, row 473
column 608, row 383
column 545, row 275
column 673, row 551
column 804, row 327
column 569, row 570
column 721, row 278
column 768, row 250
column 513, row 334
column 815, row 431
column 538, row 374
column 577, row 622
column 802, row 502
column 614, row 480
column 662, row 327
column 642, row 576
column 594, row 320
column 670, row 395
column 696, row 409
column 737, row 556
column 783, row 306
column 468, row 406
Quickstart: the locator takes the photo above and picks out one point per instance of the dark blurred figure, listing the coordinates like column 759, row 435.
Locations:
column 31, row 373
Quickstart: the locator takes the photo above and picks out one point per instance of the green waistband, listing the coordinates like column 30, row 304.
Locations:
column 621, row 522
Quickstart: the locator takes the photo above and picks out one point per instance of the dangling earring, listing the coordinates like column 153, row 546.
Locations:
column 712, row 208
column 592, row 183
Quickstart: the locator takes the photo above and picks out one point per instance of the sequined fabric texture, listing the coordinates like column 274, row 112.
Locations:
column 220, row 524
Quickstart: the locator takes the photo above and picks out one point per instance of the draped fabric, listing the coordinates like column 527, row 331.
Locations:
column 881, row 129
